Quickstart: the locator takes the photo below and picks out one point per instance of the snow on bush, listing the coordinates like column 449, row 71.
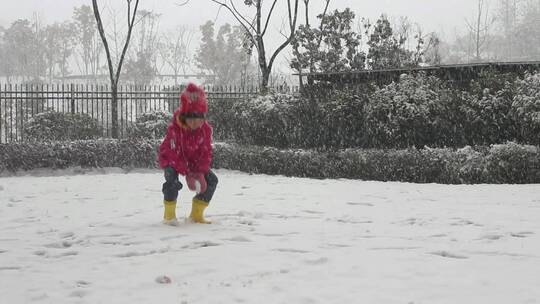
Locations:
column 54, row 125
column 411, row 112
column 508, row 163
column 128, row 153
column 525, row 109
column 150, row 125
column 265, row 120
column 342, row 122
column 487, row 116
column 417, row 111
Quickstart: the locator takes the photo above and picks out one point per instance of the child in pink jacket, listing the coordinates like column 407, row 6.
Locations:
column 187, row 150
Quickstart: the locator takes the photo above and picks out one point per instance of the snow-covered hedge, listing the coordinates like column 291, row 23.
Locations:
column 52, row 125
column 128, row 153
column 151, row 125
column 417, row 111
column 525, row 108
column 265, row 120
column 507, row 163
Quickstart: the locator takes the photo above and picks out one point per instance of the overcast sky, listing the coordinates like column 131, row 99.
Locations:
column 432, row 14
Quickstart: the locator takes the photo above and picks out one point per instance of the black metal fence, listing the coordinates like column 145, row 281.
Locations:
column 19, row 103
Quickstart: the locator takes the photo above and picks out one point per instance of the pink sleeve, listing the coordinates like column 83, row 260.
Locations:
column 203, row 165
column 168, row 155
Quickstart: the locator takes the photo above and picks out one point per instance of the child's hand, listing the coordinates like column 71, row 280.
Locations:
column 196, row 182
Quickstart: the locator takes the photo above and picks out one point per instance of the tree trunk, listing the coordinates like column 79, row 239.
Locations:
column 114, row 111
column 265, row 79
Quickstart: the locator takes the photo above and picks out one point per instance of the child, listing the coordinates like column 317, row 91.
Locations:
column 187, row 150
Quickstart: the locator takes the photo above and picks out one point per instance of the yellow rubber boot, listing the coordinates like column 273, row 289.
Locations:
column 197, row 211
column 169, row 216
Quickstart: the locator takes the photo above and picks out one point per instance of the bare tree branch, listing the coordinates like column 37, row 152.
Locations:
column 238, row 18
column 323, row 19
column 103, row 39
column 114, row 77
column 182, row 4
column 292, row 23
column 241, row 16
column 131, row 23
column 256, row 32
column 268, row 18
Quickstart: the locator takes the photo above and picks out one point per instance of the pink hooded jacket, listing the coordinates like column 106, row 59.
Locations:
column 186, row 150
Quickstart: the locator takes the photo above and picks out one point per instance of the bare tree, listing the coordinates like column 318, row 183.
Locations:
column 115, row 75
column 89, row 49
column 176, row 52
column 256, row 27
column 508, row 15
column 480, row 27
column 58, row 44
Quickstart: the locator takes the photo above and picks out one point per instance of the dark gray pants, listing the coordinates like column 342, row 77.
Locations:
column 172, row 185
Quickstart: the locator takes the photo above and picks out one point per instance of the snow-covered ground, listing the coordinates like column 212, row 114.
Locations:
column 97, row 238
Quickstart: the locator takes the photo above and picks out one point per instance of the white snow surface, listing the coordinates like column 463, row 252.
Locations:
column 97, row 237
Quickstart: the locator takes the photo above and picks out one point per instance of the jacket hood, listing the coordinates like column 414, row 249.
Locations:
column 193, row 107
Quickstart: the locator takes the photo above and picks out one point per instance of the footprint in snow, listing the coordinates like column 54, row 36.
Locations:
column 45, row 254
column 40, row 253
column 313, row 212
column 291, row 250
column 59, row 245
column 9, row 268
column 464, row 222
column 360, row 204
column 349, row 220
column 172, row 237
column 78, row 294
column 246, row 222
column 438, row 235
column 446, row 254
column 336, row 246
column 66, row 235
column 318, row 261
column 197, row 245
column 522, row 234
column 239, row 239
column 492, row 237
column 130, row 254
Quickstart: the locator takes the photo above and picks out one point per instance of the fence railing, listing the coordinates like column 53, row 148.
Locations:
column 19, row 103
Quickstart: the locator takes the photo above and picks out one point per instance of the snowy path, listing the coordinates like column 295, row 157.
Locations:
column 97, row 239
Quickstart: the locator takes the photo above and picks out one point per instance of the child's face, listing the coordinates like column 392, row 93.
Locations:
column 194, row 123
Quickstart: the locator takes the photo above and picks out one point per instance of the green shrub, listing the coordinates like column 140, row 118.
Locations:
column 525, row 109
column 507, row 163
column 54, row 126
column 265, row 120
column 151, row 125
column 224, row 118
column 487, row 118
column 417, row 111
column 342, row 120
column 513, row 163
column 413, row 112
column 128, row 153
